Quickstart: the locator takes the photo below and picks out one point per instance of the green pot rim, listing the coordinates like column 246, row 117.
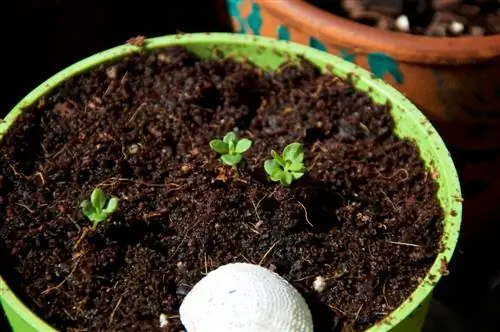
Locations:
column 427, row 135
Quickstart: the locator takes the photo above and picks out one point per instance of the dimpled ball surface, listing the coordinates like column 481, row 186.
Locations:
column 241, row 297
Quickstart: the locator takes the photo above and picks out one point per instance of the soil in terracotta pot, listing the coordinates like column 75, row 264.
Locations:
column 452, row 18
column 365, row 217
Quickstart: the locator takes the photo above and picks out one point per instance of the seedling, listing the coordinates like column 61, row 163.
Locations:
column 288, row 166
column 231, row 148
column 94, row 209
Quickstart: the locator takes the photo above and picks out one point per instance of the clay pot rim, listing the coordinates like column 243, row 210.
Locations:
column 333, row 29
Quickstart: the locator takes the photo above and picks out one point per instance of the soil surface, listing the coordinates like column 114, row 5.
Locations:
column 452, row 18
column 365, row 217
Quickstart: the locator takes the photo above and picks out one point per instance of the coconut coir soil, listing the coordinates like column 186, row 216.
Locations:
column 365, row 217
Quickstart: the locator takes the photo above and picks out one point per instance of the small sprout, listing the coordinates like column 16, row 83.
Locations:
column 94, row 209
column 231, row 148
column 287, row 167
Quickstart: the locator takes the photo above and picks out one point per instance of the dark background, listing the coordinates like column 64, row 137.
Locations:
column 41, row 37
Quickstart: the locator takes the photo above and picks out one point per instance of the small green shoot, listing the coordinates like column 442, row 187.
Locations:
column 288, row 166
column 94, row 208
column 231, row 148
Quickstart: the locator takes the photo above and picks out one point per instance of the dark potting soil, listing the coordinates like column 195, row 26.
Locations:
column 365, row 217
column 452, row 18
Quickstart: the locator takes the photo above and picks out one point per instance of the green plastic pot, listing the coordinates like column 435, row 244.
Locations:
column 268, row 54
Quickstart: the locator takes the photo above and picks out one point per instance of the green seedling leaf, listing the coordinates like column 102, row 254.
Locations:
column 243, row 145
column 231, row 148
column 219, row 146
column 270, row 166
column 100, row 216
column 287, row 167
column 98, row 199
column 297, row 175
column 112, row 205
column 297, row 167
column 277, row 176
column 87, row 208
column 230, row 137
column 299, row 158
column 293, row 152
column 286, row 179
column 93, row 208
column 273, row 169
column 231, row 160
column 277, row 158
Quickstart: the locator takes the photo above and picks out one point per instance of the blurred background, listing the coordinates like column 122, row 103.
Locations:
column 41, row 37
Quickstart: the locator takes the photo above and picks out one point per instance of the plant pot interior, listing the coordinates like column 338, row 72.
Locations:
column 365, row 217
column 452, row 18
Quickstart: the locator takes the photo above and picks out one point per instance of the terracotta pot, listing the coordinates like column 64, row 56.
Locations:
column 455, row 81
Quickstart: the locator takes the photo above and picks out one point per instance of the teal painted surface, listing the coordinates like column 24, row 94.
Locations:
column 381, row 63
column 233, row 8
column 254, row 19
column 317, row 44
column 347, row 55
column 282, row 33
